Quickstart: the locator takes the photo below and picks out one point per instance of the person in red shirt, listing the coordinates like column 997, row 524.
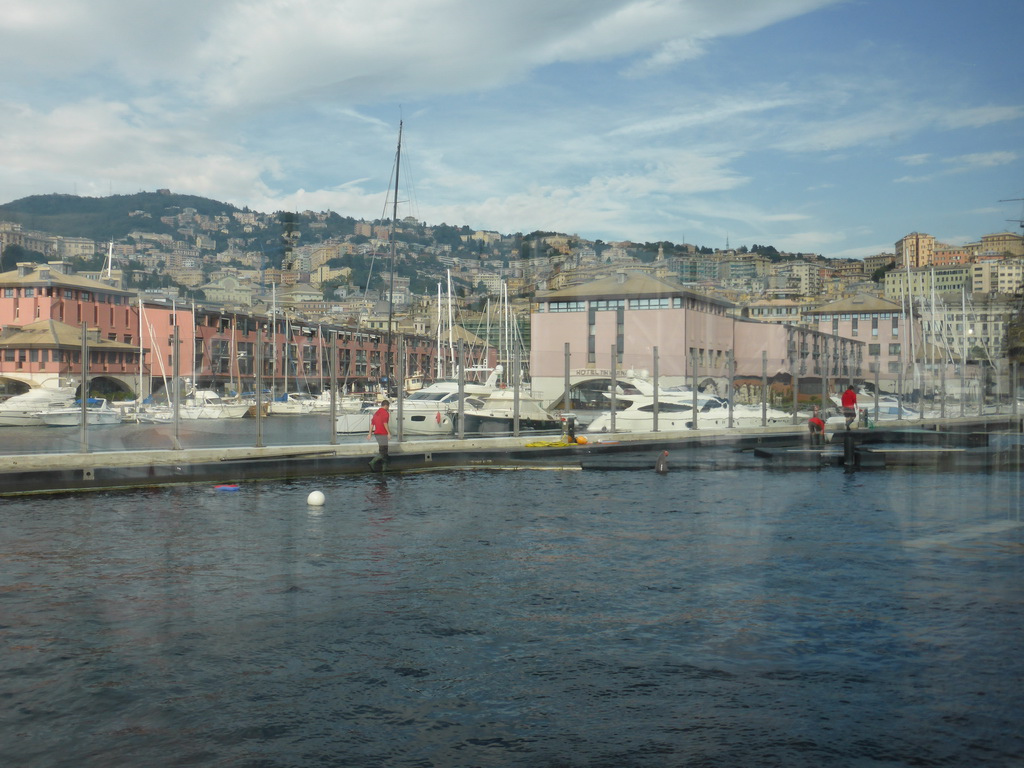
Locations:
column 380, row 431
column 849, row 402
column 817, row 428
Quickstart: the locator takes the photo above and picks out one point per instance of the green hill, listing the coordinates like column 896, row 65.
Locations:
column 103, row 218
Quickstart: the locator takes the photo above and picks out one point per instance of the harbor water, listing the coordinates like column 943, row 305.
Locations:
column 519, row 618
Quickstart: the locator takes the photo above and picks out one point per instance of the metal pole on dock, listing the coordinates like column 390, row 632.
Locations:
column 730, row 368
column 764, row 388
column 611, row 370
column 83, row 429
column 516, row 381
column 963, row 382
column 176, row 373
column 899, row 395
column 332, row 360
column 942, row 390
column 654, row 367
column 400, row 391
column 824, row 384
column 795, row 376
column 259, row 385
column 877, row 374
column 1014, row 372
column 566, row 400
column 462, row 390
column 693, row 355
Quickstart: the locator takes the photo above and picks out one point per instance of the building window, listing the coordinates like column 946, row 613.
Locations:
column 649, row 303
column 874, row 350
column 566, row 306
column 894, row 349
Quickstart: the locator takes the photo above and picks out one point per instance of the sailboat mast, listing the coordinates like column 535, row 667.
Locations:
column 455, row 364
column 388, row 365
column 439, row 362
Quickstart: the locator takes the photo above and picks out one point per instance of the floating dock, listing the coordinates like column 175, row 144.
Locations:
column 955, row 445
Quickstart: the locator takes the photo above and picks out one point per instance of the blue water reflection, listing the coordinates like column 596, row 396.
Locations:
column 542, row 618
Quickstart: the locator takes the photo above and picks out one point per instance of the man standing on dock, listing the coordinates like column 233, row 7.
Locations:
column 380, row 431
column 816, row 427
column 849, row 402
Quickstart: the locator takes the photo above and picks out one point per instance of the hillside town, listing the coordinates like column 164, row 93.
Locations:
column 365, row 288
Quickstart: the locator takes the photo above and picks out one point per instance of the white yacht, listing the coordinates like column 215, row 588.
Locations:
column 497, row 414
column 23, row 410
column 675, row 411
column 432, row 410
column 97, row 411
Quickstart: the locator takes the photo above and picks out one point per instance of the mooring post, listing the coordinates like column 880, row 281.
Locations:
column 849, row 453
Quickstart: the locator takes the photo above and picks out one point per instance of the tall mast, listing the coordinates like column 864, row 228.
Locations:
column 391, row 289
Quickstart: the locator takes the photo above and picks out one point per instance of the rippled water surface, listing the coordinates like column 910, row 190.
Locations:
column 541, row 618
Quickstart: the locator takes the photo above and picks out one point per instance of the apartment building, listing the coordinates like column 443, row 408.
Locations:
column 922, row 282
column 997, row 276
column 915, row 250
column 998, row 243
column 873, row 263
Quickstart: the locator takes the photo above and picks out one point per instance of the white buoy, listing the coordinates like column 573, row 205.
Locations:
column 315, row 499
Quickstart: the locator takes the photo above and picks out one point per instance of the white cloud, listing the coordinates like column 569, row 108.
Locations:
column 982, row 160
column 981, row 116
column 919, row 159
column 965, row 164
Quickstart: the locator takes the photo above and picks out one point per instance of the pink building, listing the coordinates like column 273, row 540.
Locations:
column 882, row 326
column 695, row 337
column 43, row 307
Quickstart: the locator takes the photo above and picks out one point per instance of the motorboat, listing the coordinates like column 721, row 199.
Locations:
column 432, row 410
column 23, row 410
column 675, row 410
column 498, row 412
column 427, row 411
column 716, row 416
column 97, row 411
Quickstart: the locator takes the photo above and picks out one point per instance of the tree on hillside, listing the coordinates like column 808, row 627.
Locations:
column 14, row 254
column 330, row 286
column 879, row 274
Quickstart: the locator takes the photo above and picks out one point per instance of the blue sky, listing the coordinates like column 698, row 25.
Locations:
column 825, row 126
